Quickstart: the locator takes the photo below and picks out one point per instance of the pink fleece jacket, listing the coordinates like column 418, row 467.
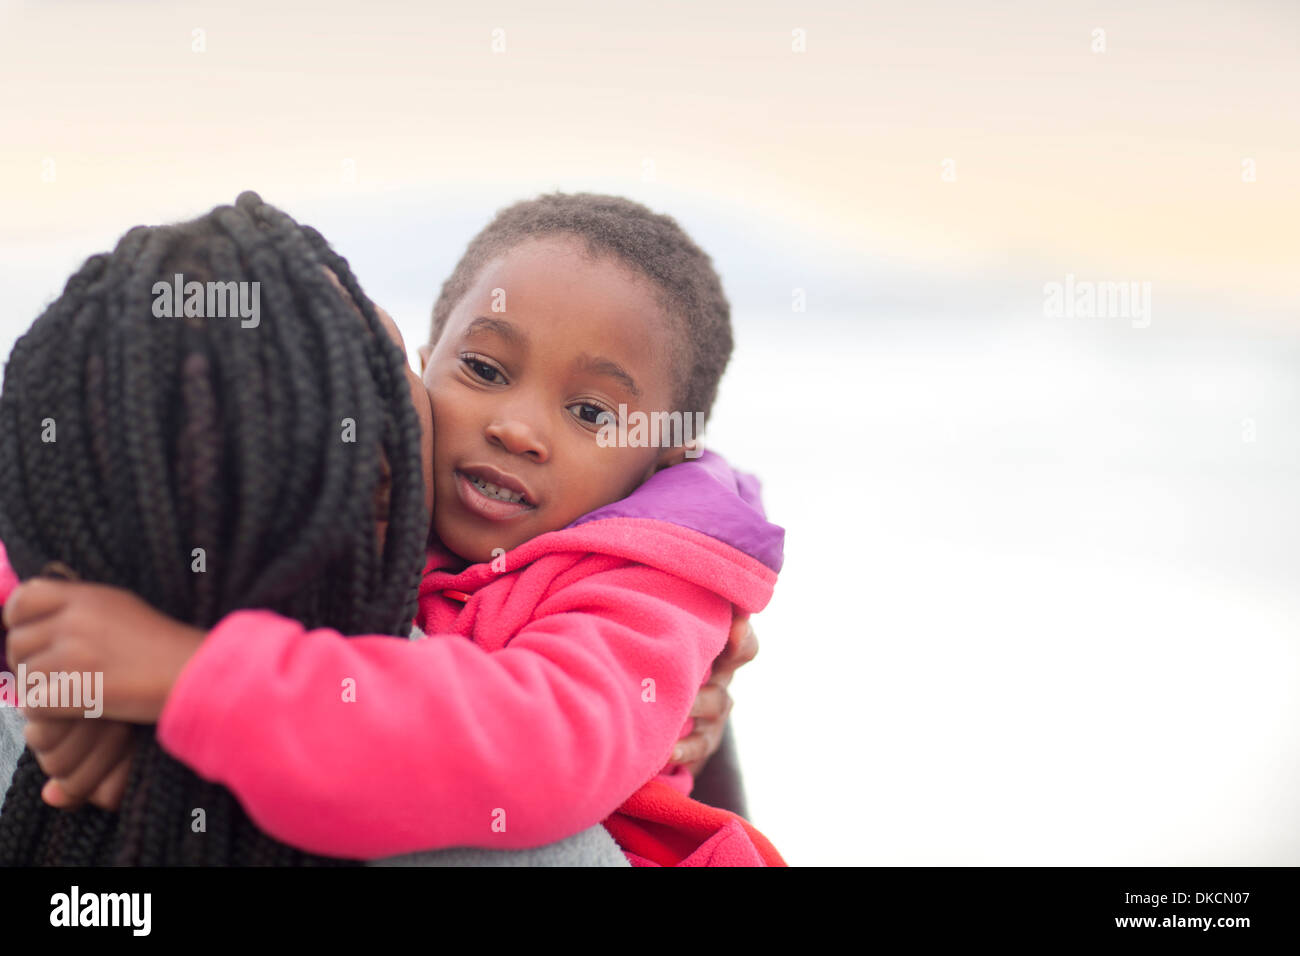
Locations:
column 544, row 696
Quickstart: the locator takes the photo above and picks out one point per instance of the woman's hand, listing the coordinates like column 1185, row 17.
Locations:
column 87, row 759
column 713, row 703
column 66, row 627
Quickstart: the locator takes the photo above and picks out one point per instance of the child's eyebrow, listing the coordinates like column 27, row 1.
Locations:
column 507, row 331
column 600, row 365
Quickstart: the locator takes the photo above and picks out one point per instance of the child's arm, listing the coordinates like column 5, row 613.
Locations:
column 371, row 746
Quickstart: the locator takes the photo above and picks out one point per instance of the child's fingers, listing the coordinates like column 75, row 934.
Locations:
column 26, row 641
column 44, row 733
column 695, row 749
column 743, row 642
column 33, row 600
column 55, row 796
column 711, row 702
column 70, row 751
column 739, row 623
column 108, row 795
column 51, row 662
column 108, row 744
column 742, row 647
column 691, row 748
column 45, row 711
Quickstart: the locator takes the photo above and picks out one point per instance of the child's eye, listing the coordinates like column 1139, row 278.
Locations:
column 599, row 413
column 481, row 369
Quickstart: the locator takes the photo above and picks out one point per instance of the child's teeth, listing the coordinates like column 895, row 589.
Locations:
column 493, row 491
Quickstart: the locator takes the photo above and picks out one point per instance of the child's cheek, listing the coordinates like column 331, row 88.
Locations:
column 451, row 413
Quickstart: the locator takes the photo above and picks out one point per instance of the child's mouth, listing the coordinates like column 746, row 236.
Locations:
column 489, row 500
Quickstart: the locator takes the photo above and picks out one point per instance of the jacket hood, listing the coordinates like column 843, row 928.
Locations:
column 706, row 495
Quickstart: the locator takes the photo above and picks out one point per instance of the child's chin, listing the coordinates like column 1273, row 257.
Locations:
column 473, row 548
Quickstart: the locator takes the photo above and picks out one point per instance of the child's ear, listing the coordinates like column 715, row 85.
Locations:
column 424, row 353
column 669, row 457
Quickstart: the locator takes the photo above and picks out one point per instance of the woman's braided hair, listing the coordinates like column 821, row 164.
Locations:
column 171, row 434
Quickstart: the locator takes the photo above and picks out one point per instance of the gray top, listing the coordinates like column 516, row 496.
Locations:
column 591, row 847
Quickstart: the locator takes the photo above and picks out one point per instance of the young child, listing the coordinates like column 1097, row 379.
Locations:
column 594, row 584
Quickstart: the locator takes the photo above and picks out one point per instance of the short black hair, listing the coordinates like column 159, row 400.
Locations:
column 652, row 244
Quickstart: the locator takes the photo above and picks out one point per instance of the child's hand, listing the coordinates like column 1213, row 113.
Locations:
column 64, row 626
column 87, row 759
column 713, row 703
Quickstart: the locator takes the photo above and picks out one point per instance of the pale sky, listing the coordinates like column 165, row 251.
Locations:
column 1122, row 164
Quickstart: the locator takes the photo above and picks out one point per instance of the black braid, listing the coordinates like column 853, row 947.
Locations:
column 182, row 433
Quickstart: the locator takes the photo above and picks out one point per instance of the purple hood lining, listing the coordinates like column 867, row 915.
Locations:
column 706, row 495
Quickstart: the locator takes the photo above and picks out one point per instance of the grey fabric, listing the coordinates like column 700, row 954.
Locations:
column 592, row 847
column 12, row 745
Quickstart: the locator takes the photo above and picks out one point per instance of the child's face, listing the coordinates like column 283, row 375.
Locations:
column 516, row 393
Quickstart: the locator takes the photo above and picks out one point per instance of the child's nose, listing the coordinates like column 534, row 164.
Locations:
column 518, row 438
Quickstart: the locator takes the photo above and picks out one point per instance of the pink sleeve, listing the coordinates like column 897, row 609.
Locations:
column 443, row 743
column 8, row 581
column 8, row 577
